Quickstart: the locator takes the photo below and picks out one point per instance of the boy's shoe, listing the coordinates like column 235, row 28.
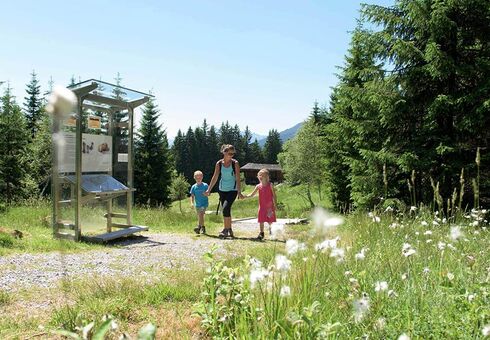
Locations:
column 197, row 229
column 230, row 233
column 261, row 236
column 203, row 230
column 223, row 233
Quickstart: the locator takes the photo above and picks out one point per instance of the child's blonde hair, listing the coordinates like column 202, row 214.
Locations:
column 263, row 172
column 198, row 172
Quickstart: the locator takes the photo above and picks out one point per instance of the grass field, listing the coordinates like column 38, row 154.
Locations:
column 378, row 276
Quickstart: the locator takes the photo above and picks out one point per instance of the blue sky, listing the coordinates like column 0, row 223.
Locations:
column 255, row 63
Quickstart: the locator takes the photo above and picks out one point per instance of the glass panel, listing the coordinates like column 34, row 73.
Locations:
column 111, row 90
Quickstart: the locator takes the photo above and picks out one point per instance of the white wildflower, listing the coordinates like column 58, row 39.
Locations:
column 293, row 246
column 404, row 276
column 257, row 275
column 450, row 246
column 407, row 250
column 393, row 225
column 327, row 244
column 254, row 263
column 428, row 241
column 392, row 293
column 403, row 337
column 285, row 291
column 283, row 264
column 435, row 222
column 426, row 270
column 486, row 330
column 376, row 219
column 381, row 286
column 347, row 273
column 361, row 308
column 471, row 297
column 441, row 245
column 456, row 233
column 413, row 208
column 424, row 223
column 238, row 297
column 277, row 231
column 325, row 221
column 474, row 224
column 428, row 232
column 361, row 255
column 380, row 324
column 338, row 253
column 450, row 276
column 389, row 209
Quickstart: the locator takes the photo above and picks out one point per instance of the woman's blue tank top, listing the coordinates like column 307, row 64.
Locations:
column 228, row 179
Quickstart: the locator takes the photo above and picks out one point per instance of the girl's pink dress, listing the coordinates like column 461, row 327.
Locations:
column 266, row 204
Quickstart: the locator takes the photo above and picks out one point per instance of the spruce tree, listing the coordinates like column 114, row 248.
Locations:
column 272, row 147
column 13, row 143
column 153, row 170
column 256, row 153
column 33, row 104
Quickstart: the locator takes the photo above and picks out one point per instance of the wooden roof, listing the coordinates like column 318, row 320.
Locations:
column 257, row 166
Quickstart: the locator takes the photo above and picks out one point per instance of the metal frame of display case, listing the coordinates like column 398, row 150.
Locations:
column 85, row 187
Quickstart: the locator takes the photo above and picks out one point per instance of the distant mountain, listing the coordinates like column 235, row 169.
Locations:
column 256, row 136
column 285, row 135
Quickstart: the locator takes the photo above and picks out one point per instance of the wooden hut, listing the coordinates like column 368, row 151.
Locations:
column 250, row 171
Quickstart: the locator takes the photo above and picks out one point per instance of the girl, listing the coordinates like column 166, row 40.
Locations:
column 267, row 201
column 228, row 170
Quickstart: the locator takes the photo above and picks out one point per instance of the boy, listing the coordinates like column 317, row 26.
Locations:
column 199, row 200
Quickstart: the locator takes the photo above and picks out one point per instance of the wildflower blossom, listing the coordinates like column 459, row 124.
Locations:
column 450, row 276
column 441, row 245
column 277, row 231
column 407, row 250
column 362, row 254
column 380, row 286
column 403, row 337
column 257, row 275
column 327, row 244
column 338, row 253
column 283, row 264
column 285, row 291
column 428, row 232
column 471, row 297
column 413, row 208
column 456, row 233
column 324, row 221
column 392, row 293
column 361, row 308
column 393, row 225
column 254, row 263
column 293, row 246
column 380, row 324
column 426, row 270
column 486, row 330
column 424, row 223
column 389, row 209
column 404, row 276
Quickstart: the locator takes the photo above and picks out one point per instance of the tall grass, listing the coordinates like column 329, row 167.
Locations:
column 417, row 276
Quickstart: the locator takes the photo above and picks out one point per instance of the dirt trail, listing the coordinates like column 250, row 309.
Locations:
column 138, row 256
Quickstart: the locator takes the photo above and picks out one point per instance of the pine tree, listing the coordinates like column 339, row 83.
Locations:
column 256, row 153
column 272, row 147
column 13, row 143
column 33, row 104
column 153, row 170
column 40, row 157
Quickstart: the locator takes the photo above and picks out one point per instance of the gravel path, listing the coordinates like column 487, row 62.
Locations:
column 135, row 256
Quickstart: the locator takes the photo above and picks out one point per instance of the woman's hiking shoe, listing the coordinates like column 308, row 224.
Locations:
column 261, row 236
column 223, row 233
column 203, row 230
column 197, row 229
column 230, row 233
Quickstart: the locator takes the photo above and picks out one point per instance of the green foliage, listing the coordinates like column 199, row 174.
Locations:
column 331, row 286
column 40, row 158
column 199, row 148
column 179, row 189
column 303, row 158
column 413, row 95
column 153, row 164
column 14, row 176
column 33, row 108
column 272, row 147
